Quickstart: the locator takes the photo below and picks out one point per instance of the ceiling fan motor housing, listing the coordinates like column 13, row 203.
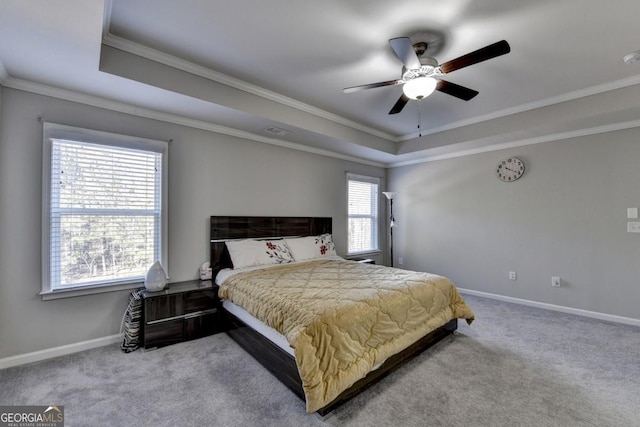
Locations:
column 429, row 68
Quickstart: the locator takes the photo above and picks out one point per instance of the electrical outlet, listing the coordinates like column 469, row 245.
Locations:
column 555, row 282
column 633, row 227
column 400, row 261
column 513, row 275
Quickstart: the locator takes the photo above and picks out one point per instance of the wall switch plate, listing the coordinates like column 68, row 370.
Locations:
column 513, row 275
column 632, row 213
column 555, row 282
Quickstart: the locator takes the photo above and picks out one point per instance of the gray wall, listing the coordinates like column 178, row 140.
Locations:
column 565, row 217
column 209, row 174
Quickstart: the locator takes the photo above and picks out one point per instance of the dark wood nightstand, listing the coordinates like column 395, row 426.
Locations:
column 180, row 312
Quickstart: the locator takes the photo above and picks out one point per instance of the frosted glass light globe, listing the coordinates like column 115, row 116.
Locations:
column 420, row 87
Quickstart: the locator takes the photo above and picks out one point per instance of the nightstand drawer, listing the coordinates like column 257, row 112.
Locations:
column 163, row 333
column 206, row 323
column 162, row 307
column 200, row 300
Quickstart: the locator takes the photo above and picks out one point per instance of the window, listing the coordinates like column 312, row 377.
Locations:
column 362, row 196
column 104, row 210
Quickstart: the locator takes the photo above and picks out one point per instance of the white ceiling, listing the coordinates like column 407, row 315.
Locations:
column 239, row 66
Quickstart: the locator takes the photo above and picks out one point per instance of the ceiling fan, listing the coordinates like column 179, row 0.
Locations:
column 421, row 74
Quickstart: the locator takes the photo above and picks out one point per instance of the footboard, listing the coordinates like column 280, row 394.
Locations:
column 283, row 366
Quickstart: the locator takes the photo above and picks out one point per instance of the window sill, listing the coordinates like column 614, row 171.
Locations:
column 363, row 254
column 77, row 292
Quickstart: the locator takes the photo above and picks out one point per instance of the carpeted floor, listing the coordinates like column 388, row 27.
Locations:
column 515, row 366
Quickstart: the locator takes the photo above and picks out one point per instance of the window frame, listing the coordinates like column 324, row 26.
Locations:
column 376, row 228
column 53, row 131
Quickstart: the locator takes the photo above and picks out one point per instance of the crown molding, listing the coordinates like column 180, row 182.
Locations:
column 199, row 70
column 121, row 107
column 528, row 141
column 569, row 96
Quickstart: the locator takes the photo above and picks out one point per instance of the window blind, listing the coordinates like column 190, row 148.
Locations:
column 362, row 214
column 105, row 213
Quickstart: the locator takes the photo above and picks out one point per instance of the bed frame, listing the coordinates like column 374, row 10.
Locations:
column 280, row 363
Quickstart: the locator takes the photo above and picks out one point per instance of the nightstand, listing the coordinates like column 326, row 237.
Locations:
column 180, row 312
column 366, row 261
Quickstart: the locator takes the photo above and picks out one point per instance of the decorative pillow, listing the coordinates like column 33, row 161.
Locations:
column 250, row 253
column 312, row 247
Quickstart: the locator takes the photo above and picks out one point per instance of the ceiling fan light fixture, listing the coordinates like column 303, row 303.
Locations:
column 420, row 87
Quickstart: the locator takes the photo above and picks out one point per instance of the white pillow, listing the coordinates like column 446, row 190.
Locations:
column 312, row 247
column 250, row 253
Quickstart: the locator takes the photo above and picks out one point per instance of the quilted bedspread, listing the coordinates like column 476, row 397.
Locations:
column 342, row 318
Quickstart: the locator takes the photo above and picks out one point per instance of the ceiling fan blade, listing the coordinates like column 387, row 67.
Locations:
column 402, row 101
column 458, row 91
column 404, row 49
column 487, row 52
column 371, row 86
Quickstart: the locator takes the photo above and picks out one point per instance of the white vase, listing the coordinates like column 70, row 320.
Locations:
column 156, row 278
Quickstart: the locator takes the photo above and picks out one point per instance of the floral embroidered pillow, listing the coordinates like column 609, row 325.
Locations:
column 312, row 247
column 278, row 251
column 251, row 253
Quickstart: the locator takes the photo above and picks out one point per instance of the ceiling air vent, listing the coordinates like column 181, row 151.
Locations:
column 276, row 131
column 631, row 57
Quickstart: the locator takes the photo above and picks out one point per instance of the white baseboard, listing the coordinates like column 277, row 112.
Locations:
column 49, row 353
column 561, row 308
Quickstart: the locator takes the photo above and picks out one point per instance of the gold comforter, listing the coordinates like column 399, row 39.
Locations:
column 342, row 318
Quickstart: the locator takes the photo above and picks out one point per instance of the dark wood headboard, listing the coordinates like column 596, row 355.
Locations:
column 257, row 227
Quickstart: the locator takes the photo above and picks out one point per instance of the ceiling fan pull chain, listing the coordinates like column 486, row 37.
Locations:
column 420, row 118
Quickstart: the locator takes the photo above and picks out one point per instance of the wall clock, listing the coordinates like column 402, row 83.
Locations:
column 510, row 169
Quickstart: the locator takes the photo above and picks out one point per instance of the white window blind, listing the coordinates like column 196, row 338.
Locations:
column 105, row 216
column 362, row 213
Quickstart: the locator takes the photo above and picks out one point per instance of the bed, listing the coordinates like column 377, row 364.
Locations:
column 331, row 357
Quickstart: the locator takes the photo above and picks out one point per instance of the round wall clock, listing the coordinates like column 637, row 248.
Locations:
column 510, row 169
